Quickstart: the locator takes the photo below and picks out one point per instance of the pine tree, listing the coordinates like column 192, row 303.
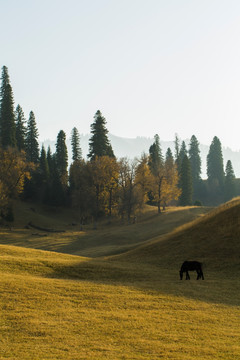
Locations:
column 195, row 161
column 230, row 187
column 62, row 157
column 185, row 183
column 169, row 157
column 99, row 144
column 182, row 153
column 5, row 82
column 32, row 146
column 155, row 156
column 75, row 142
column 20, row 128
column 43, row 165
column 7, row 120
column 215, row 169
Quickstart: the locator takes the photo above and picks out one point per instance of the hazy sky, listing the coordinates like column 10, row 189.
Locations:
column 150, row 66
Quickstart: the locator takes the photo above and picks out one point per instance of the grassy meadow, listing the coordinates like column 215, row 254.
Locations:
column 115, row 293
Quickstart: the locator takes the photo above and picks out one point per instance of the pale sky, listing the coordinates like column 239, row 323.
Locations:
column 150, row 66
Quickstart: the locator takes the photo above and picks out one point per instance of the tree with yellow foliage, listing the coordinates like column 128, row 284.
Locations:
column 13, row 171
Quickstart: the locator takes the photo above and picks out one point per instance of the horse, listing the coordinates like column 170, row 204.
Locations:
column 191, row 266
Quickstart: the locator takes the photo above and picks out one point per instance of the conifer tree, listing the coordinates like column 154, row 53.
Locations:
column 75, row 142
column 20, row 128
column 32, row 146
column 155, row 156
column 99, row 144
column 62, row 157
column 195, row 161
column 215, row 169
column 185, row 182
column 182, row 153
column 7, row 120
column 230, row 187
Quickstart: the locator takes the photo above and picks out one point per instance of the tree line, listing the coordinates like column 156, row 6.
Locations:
column 102, row 185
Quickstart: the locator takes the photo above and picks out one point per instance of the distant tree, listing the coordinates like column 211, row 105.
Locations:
column 99, row 144
column 170, row 189
column 143, row 179
column 155, row 156
column 7, row 119
column 182, row 153
column 43, row 165
column 21, row 129
column 128, row 195
column 32, row 146
column 62, row 157
column 156, row 164
column 75, row 142
column 4, row 82
column 230, row 187
column 80, row 185
column 50, row 159
column 215, row 172
column 185, row 182
column 195, row 161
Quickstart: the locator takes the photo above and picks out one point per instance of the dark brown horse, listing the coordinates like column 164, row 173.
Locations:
column 191, row 266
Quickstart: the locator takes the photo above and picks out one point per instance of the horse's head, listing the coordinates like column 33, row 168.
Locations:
column 181, row 274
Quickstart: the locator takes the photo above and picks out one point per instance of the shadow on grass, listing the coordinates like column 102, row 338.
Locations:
column 217, row 288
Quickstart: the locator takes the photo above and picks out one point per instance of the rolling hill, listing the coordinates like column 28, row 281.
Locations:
column 127, row 306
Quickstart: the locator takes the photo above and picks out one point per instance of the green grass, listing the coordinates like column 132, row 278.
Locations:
column 128, row 306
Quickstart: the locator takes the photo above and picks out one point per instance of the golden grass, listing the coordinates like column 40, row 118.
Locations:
column 75, row 308
column 129, row 306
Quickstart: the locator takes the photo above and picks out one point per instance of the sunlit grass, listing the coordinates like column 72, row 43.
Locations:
column 128, row 306
column 53, row 311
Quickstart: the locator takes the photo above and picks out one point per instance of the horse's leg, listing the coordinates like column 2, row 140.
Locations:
column 187, row 275
column 198, row 275
column 202, row 275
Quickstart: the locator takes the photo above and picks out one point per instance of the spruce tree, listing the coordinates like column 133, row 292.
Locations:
column 169, row 156
column 4, row 82
column 7, row 119
column 215, row 169
column 185, row 183
column 20, row 128
column 99, row 144
column 75, row 142
column 62, row 157
column 32, row 146
column 155, row 156
column 230, row 186
column 195, row 161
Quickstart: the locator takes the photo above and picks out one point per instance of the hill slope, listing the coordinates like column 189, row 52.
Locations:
column 213, row 239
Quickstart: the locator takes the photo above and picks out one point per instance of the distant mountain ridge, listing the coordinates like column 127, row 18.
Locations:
column 134, row 147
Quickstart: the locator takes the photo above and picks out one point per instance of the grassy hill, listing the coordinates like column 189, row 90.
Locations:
column 214, row 239
column 109, row 239
column 127, row 306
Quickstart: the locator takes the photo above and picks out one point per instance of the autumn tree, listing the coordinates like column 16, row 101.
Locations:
column 128, row 195
column 143, row 179
column 13, row 171
column 99, row 144
column 170, row 190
